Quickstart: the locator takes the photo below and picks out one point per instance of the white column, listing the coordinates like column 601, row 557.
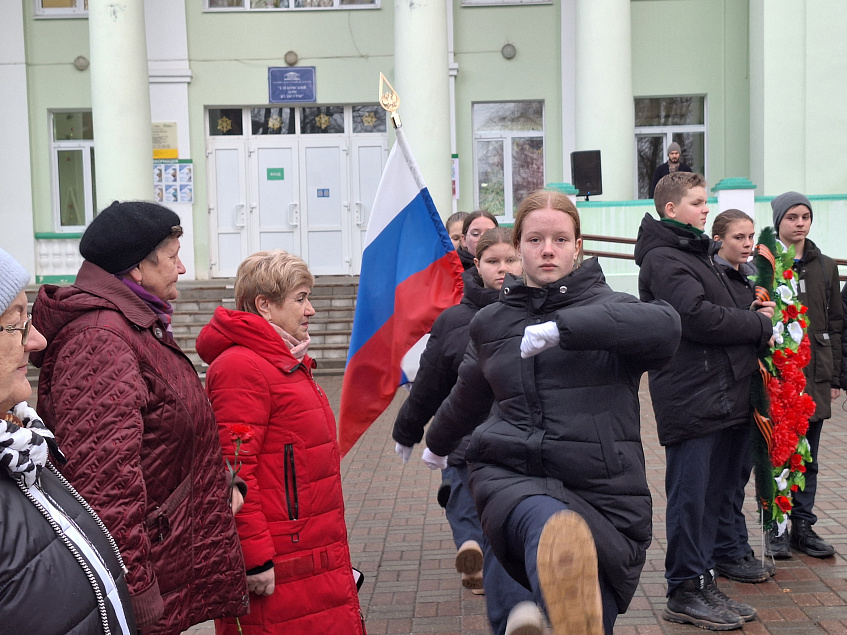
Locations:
column 120, row 100
column 421, row 72
column 15, row 176
column 604, row 104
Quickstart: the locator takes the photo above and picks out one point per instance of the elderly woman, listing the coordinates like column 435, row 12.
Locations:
column 276, row 425
column 140, row 434
column 55, row 550
column 557, row 470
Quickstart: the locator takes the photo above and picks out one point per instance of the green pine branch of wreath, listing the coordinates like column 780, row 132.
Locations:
column 781, row 408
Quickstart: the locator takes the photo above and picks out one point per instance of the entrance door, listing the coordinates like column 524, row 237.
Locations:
column 275, row 205
column 228, row 206
column 369, row 156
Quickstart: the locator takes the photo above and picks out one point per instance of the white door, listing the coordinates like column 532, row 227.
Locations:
column 325, row 213
column 275, row 198
column 368, row 160
column 228, row 205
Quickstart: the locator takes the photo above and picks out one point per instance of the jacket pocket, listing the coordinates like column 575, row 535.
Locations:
column 611, row 457
column 822, row 350
column 292, row 498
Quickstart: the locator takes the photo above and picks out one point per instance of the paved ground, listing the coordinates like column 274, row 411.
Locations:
column 400, row 539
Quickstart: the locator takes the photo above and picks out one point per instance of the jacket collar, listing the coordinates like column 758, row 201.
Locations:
column 586, row 280
column 99, row 282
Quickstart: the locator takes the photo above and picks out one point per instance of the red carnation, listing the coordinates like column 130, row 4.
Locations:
column 241, row 432
column 784, row 503
column 788, row 274
column 803, row 309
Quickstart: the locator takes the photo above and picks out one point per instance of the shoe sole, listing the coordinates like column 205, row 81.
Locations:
column 469, row 558
column 750, row 580
column 567, row 572
column 524, row 619
column 682, row 618
column 472, row 581
column 814, row 554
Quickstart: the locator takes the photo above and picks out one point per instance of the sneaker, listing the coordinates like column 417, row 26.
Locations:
column 689, row 603
column 746, row 569
column 744, row 611
column 777, row 547
column 525, row 619
column 567, row 573
column 804, row 538
column 473, row 581
column 469, row 558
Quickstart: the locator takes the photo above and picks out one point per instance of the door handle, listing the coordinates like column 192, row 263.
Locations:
column 294, row 214
column 240, row 215
column 360, row 212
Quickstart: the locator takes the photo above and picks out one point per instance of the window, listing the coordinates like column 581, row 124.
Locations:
column 494, row 3
column 281, row 5
column 660, row 121
column 72, row 152
column 61, row 8
column 508, row 154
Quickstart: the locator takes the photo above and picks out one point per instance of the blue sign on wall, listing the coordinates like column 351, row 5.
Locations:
column 292, row 84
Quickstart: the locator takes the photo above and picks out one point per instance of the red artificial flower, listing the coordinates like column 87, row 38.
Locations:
column 795, row 487
column 792, row 311
column 784, row 503
column 788, row 274
column 241, row 432
column 796, row 461
column 803, row 309
column 802, row 323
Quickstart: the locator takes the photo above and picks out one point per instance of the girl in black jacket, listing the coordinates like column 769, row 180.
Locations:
column 558, row 466
column 733, row 231
column 436, row 376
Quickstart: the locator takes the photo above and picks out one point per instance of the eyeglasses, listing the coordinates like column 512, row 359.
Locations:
column 23, row 329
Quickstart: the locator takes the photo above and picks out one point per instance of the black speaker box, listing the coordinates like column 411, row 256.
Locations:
column 586, row 174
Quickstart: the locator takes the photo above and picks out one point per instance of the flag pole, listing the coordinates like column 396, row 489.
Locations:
column 390, row 102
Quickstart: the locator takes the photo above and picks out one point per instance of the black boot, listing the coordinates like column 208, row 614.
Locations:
column 443, row 494
column 744, row 611
column 745, row 569
column 777, row 546
column 804, row 538
column 689, row 603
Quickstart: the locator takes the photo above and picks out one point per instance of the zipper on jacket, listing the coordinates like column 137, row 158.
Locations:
column 290, row 475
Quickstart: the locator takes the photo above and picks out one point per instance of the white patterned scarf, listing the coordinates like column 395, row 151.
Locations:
column 25, row 443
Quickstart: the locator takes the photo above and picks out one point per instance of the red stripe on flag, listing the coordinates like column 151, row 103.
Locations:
column 373, row 373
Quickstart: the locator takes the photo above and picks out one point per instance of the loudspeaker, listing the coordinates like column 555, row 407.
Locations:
column 586, row 173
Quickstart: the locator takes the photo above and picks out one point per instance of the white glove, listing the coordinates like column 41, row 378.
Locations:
column 433, row 461
column 403, row 451
column 539, row 337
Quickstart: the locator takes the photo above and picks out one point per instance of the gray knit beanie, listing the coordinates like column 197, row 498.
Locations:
column 13, row 279
column 674, row 147
column 784, row 202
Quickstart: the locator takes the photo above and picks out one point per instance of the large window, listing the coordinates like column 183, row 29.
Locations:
column 290, row 120
column 271, row 5
column 61, row 8
column 659, row 121
column 72, row 153
column 508, row 154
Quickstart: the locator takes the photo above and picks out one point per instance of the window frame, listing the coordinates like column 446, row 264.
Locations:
column 86, row 146
column 337, row 6
column 502, row 3
column 669, row 130
column 506, row 137
column 79, row 11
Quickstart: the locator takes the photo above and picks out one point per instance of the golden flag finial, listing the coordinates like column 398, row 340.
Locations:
column 389, row 100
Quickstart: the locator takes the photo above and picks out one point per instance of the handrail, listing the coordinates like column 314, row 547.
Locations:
column 841, row 262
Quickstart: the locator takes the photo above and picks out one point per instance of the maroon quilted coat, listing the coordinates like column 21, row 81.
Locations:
column 294, row 515
column 142, row 448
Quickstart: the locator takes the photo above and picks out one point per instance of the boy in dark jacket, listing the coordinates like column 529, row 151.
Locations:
column 818, row 279
column 702, row 394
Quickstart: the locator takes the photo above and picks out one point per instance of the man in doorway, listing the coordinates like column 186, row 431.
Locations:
column 819, row 292
column 673, row 164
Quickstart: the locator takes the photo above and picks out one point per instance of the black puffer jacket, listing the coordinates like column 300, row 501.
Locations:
column 439, row 365
column 568, row 422
column 819, row 282
column 707, row 385
column 466, row 257
column 43, row 588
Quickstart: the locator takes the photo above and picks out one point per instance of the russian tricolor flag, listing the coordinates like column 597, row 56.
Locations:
column 410, row 274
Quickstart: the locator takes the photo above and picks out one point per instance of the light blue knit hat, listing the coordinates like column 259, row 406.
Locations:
column 13, row 279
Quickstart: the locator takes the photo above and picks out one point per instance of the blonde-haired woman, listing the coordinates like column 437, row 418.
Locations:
column 558, row 466
column 276, row 423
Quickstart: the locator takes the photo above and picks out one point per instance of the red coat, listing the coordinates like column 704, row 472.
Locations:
column 131, row 415
column 294, row 514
